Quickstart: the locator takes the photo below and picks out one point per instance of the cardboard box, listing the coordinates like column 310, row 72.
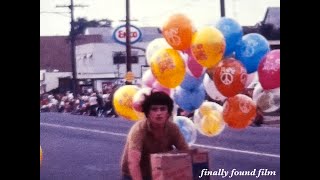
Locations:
column 178, row 165
column 171, row 166
column 200, row 160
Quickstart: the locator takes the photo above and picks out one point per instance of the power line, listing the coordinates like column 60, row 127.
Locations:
column 58, row 13
column 53, row 12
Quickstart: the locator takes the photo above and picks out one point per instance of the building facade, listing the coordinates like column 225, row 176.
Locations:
column 100, row 60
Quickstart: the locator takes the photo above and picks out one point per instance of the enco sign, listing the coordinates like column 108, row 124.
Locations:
column 119, row 34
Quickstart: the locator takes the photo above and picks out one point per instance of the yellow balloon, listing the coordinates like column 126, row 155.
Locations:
column 123, row 100
column 168, row 67
column 154, row 46
column 40, row 156
column 212, row 124
column 207, row 107
column 208, row 46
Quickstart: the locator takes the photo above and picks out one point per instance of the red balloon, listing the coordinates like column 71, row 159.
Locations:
column 269, row 70
column 239, row 111
column 230, row 77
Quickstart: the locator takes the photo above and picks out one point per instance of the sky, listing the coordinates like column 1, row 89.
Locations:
column 150, row 12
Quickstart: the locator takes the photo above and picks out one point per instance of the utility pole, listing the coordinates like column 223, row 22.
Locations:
column 128, row 44
column 72, row 37
column 222, row 8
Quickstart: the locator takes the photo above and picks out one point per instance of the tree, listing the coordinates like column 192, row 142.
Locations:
column 81, row 24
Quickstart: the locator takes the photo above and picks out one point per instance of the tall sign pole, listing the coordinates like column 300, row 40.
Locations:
column 73, row 51
column 128, row 45
column 222, row 9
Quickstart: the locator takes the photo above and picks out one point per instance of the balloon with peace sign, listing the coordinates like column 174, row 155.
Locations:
column 239, row 111
column 230, row 77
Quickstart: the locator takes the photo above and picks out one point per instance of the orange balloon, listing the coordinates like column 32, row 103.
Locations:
column 168, row 67
column 230, row 77
column 239, row 111
column 177, row 31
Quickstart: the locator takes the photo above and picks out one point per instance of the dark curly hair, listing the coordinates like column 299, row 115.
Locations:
column 157, row 98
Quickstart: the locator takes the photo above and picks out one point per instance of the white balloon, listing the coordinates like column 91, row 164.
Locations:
column 197, row 120
column 184, row 56
column 213, row 105
column 211, row 89
column 198, row 117
column 266, row 100
column 252, row 80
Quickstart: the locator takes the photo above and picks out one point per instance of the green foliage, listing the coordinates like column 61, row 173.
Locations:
column 81, row 24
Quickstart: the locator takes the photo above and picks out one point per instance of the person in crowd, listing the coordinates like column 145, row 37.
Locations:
column 258, row 120
column 93, row 104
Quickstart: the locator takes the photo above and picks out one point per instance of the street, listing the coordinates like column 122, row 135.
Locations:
column 89, row 148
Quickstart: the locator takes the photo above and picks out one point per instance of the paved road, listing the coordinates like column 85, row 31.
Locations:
column 89, row 148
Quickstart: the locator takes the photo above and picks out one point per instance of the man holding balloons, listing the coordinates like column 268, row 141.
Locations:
column 155, row 134
column 223, row 60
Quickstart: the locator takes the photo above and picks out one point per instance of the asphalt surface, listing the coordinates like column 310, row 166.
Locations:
column 89, row 148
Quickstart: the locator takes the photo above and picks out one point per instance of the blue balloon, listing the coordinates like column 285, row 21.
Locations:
column 186, row 134
column 189, row 100
column 232, row 32
column 252, row 48
column 187, row 128
column 190, row 82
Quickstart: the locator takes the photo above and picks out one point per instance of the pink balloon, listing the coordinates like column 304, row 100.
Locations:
column 137, row 105
column 269, row 70
column 158, row 87
column 139, row 98
column 195, row 68
column 147, row 78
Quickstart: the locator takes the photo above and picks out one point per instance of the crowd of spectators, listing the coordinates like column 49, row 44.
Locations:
column 90, row 102
column 93, row 103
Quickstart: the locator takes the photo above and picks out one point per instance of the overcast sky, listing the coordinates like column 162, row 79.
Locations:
column 150, row 12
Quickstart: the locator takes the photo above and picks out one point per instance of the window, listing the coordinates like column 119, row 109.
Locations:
column 119, row 57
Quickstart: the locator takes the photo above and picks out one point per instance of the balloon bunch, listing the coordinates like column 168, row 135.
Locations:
column 218, row 61
column 247, row 62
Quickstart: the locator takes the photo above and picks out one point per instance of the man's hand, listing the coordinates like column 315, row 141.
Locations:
column 134, row 158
